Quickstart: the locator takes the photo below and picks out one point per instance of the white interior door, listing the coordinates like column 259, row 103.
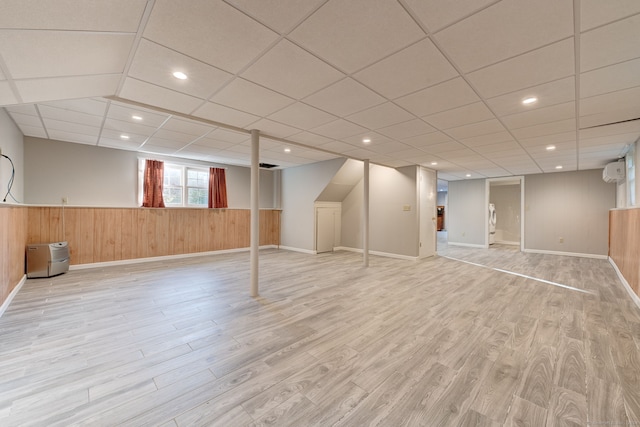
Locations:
column 325, row 229
column 428, row 219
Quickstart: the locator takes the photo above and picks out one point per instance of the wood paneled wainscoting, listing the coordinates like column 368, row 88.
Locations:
column 114, row 234
column 624, row 244
column 13, row 238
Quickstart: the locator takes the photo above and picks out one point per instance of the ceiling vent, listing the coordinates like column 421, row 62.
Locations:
column 267, row 166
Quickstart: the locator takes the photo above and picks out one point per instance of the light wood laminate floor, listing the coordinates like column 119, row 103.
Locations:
column 437, row 342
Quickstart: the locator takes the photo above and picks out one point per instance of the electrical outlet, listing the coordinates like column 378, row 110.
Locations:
column 406, row 207
column 561, row 240
column 65, row 200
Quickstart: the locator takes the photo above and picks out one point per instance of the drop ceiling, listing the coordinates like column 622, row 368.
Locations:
column 432, row 83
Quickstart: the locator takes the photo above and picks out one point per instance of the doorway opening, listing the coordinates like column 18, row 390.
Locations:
column 505, row 201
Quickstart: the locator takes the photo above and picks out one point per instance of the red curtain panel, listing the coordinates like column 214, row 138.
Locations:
column 153, row 180
column 217, row 188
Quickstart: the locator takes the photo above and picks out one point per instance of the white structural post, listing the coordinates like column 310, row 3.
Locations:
column 365, row 216
column 255, row 209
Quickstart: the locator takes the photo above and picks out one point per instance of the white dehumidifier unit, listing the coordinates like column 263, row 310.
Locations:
column 47, row 259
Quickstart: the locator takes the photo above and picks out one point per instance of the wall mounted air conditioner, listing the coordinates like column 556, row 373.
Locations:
column 613, row 172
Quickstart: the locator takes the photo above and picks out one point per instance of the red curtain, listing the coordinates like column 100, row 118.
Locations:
column 153, row 180
column 217, row 188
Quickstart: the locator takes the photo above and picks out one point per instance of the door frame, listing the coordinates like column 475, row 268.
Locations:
column 487, row 192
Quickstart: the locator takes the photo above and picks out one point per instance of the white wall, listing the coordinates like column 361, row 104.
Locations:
column 11, row 144
column 300, row 188
column 506, row 198
column 391, row 229
column 467, row 217
column 573, row 206
column 98, row 176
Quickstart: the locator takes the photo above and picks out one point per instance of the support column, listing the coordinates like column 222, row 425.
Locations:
column 365, row 216
column 255, row 209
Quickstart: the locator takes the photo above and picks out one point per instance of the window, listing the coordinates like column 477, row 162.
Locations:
column 185, row 186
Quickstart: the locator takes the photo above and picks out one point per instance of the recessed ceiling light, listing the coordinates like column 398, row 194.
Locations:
column 124, row 136
column 529, row 100
column 287, row 150
column 468, row 175
column 551, row 147
column 559, row 167
column 434, row 163
column 136, row 117
column 366, row 140
column 180, row 75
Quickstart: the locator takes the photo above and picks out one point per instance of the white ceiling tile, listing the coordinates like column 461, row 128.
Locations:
column 344, row 97
column 158, row 149
column 548, row 139
column 380, row 116
column 467, row 114
column 552, row 93
column 540, row 115
column 208, row 145
column 427, row 139
column 79, row 138
column 443, row 147
column 434, row 16
column 210, row 31
column 155, row 64
column 92, row 15
column 389, row 147
column 610, row 79
column 6, row 94
column 221, row 114
column 128, row 127
column 76, row 128
column 37, row 131
column 613, row 43
column 364, row 30
column 476, row 129
column 607, row 117
column 302, row 116
column 409, row 154
column 621, row 100
column 406, row 129
column 413, row 68
column 510, row 146
column 493, row 138
column 445, row 96
column 280, row 15
column 225, row 135
column 113, row 136
column 338, row 146
column 147, row 93
column 189, row 127
column 123, row 112
column 272, row 128
column 178, row 138
column 545, row 129
column 56, row 88
column 530, row 69
column 506, row 29
column 375, row 138
column 93, row 106
column 292, row 71
column 33, row 54
column 27, row 109
column 309, row 138
column 25, row 119
column 249, row 97
column 594, row 13
column 70, row 116
column 338, row 129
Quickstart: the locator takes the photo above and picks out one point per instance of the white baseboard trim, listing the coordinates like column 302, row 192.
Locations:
column 576, row 254
column 627, row 286
column 377, row 253
column 468, row 245
column 12, row 295
column 162, row 258
column 304, row 251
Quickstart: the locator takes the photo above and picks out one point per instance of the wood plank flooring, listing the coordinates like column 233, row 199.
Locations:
column 437, row 342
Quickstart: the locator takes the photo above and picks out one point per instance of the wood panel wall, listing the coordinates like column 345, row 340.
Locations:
column 624, row 244
column 114, row 234
column 13, row 238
